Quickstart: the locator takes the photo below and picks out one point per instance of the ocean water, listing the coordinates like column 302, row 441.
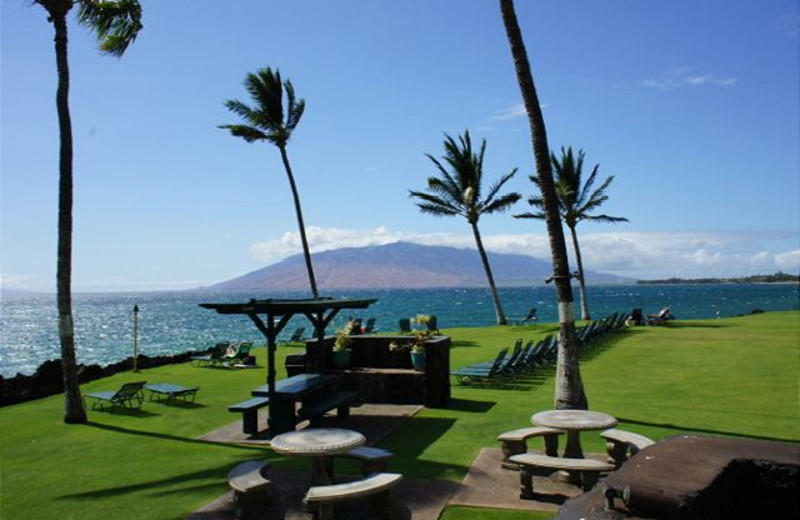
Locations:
column 173, row 322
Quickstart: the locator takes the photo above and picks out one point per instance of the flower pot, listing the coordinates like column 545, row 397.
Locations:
column 341, row 358
column 418, row 360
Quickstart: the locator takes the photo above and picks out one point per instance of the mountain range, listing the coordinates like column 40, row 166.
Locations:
column 401, row 265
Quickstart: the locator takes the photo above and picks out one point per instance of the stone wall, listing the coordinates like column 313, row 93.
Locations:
column 387, row 376
column 48, row 380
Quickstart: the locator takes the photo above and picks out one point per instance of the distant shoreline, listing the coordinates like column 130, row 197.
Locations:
column 766, row 279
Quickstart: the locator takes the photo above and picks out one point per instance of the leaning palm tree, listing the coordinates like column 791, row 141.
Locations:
column 267, row 122
column 569, row 385
column 576, row 201
column 116, row 24
column 458, row 193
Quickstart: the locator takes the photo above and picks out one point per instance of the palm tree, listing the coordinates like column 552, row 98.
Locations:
column 116, row 24
column 266, row 122
column 569, row 385
column 458, row 193
column 576, row 201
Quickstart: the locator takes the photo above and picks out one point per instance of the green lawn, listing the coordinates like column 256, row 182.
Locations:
column 736, row 376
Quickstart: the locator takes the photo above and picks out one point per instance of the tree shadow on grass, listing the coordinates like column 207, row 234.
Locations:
column 169, row 437
column 464, row 343
column 688, row 430
column 468, row 405
column 410, row 441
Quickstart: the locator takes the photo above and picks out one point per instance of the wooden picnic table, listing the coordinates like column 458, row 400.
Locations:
column 283, row 416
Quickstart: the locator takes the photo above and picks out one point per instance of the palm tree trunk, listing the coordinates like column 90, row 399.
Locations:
column 582, row 278
column 569, row 385
column 306, row 252
column 498, row 309
column 74, row 411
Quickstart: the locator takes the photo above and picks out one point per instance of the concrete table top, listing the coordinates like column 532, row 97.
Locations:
column 574, row 420
column 317, row 441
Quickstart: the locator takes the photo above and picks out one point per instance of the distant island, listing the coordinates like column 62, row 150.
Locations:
column 778, row 277
column 401, row 265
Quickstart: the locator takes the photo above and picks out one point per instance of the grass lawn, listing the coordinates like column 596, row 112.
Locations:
column 730, row 377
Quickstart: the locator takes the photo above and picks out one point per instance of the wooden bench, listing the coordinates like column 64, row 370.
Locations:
column 377, row 487
column 515, row 442
column 249, row 411
column 373, row 460
column 251, row 488
column 589, row 470
column 622, row 445
column 314, row 410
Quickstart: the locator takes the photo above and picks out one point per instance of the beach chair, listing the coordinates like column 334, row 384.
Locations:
column 129, row 396
column 477, row 374
column 636, row 317
column 405, row 325
column 662, row 318
column 369, row 328
column 238, row 356
column 531, row 317
column 432, row 324
column 215, row 355
column 297, row 336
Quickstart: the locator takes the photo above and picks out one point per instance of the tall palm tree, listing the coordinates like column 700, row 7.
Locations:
column 576, row 201
column 116, row 24
column 266, row 122
column 458, row 193
column 569, row 385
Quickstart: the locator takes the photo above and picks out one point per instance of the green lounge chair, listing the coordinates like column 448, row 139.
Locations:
column 215, row 355
column 241, row 352
column 128, row 396
column 405, row 325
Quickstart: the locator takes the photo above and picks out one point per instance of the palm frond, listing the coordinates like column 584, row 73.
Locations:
column 295, row 107
column 248, row 133
column 498, row 185
column 434, row 205
column 116, row 23
column 539, row 216
column 501, row 204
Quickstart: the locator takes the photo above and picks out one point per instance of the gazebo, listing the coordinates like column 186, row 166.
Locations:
column 271, row 316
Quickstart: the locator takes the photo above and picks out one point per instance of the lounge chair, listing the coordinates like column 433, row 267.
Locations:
column 128, row 396
column 531, row 317
column 662, row 318
column 635, row 318
column 215, row 355
column 432, row 324
column 369, row 328
column 477, row 374
column 241, row 351
column 405, row 325
column 297, row 336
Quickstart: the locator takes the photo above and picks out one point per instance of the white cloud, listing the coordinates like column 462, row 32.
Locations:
column 511, row 112
column 634, row 254
column 683, row 77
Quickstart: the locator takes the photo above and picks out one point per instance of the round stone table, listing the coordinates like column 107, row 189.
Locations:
column 573, row 422
column 320, row 444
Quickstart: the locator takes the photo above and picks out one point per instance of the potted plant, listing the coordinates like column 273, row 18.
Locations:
column 341, row 346
column 416, row 348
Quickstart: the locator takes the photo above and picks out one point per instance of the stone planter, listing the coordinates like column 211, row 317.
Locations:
column 341, row 358
column 418, row 360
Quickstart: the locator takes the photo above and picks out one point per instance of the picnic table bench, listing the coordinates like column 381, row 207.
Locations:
column 314, row 409
column 377, row 487
column 251, row 488
column 249, row 411
column 589, row 470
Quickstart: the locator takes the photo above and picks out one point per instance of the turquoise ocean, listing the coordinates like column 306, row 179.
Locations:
column 173, row 322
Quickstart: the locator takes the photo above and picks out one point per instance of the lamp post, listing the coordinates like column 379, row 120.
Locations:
column 135, row 337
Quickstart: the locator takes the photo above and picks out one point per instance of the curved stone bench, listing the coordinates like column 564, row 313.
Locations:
column 589, row 470
column 251, row 488
column 622, row 445
column 515, row 442
column 377, row 487
column 373, row 460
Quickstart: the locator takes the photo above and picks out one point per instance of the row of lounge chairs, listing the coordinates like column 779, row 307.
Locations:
column 225, row 354
column 130, row 396
column 506, row 367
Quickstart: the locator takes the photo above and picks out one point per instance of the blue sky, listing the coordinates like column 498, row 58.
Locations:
column 693, row 106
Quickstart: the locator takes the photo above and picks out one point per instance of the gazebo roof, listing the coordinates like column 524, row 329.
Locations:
column 276, row 307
